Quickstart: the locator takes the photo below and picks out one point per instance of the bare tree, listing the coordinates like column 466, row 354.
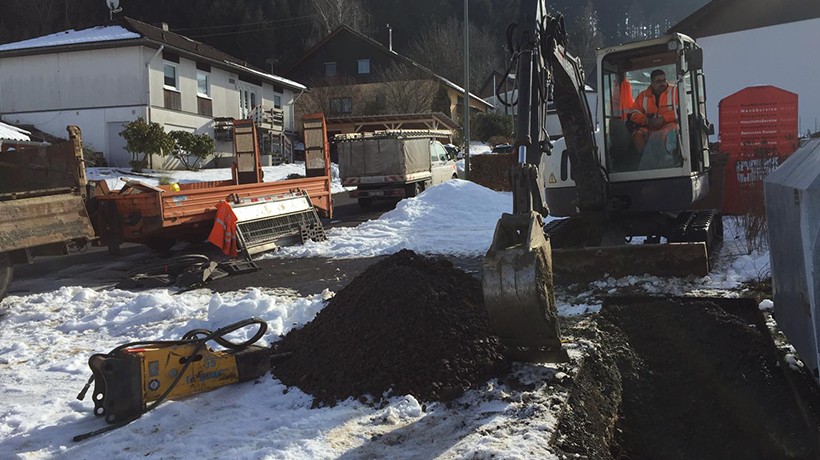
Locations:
column 334, row 96
column 440, row 47
column 406, row 89
column 585, row 37
column 333, row 13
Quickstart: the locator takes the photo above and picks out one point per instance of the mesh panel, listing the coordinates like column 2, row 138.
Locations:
column 264, row 231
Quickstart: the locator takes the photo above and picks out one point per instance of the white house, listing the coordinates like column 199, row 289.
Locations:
column 103, row 77
column 759, row 42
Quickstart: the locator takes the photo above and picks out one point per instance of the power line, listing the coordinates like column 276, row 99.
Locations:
column 237, row 32
column 273, row 21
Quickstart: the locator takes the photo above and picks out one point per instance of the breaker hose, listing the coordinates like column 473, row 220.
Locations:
column 197, row 337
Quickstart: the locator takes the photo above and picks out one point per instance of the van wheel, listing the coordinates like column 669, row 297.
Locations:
column 365, row 203
column 414, row 189
column 6, row 273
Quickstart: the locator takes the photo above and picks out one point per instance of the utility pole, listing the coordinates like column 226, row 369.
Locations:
column 466, row 120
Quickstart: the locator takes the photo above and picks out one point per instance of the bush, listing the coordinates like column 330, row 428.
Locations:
column 487, row 125
column 190, row 148
column 146, row 139
column 93, row 158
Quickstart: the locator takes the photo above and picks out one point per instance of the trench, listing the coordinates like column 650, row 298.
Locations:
column 688, row 378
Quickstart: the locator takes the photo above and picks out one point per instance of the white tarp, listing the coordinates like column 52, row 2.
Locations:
column 383, row 157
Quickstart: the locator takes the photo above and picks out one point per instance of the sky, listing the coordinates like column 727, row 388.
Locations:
column 47, row 336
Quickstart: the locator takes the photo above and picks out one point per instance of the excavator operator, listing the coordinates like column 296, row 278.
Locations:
column 654, row 119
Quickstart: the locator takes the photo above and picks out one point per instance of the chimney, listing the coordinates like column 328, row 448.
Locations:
column 389, row 37
column 163, row 26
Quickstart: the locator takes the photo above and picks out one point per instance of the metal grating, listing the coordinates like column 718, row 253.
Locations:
column 264, row 231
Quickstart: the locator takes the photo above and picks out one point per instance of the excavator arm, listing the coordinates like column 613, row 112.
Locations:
column 517, row 281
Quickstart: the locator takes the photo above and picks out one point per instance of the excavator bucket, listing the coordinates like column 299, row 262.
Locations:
column 518, row 290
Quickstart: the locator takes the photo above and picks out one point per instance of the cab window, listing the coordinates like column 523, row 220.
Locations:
column 437, row 152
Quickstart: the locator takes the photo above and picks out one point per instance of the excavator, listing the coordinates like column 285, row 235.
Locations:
column 611, row 195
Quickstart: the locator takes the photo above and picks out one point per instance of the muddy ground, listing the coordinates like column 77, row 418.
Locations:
column 664, row 379
column 670, row 378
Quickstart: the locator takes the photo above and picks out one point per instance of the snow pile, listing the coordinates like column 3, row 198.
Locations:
column 456, row 217
column 115, row 178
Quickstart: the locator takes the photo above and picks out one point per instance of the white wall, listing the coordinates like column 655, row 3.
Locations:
column 80, row 79
column 92, row 122
column 100, row 89
column 784, row 55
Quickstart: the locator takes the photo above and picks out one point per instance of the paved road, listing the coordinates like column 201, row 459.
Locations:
column 95, row 268
column 347, row 213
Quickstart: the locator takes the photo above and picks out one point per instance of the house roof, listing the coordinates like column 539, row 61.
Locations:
column 724, row 16
column 375, row 44
column 488, row 88
column 410, row 118
column 127, row 32
column 13, row 133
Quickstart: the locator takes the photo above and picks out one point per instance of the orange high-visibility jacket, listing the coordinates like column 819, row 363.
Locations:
column 665, row 105
column 623, row 103
column 223, row 234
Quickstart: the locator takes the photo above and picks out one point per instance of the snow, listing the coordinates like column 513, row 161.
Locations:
column 13, row 133
column 269, row 76
column 46, row 339
column 73, row 37
column 116, row 178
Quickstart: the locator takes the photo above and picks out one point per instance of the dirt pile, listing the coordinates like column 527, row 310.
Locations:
column 409, row 323
column 698, row 379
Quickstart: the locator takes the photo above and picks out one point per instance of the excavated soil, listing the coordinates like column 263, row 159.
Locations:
column 407, row 325
column 682, row 379
column 666, row 378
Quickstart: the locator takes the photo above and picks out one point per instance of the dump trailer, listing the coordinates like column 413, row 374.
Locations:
column 42, row 202
column 392, row 164
column 272, row 213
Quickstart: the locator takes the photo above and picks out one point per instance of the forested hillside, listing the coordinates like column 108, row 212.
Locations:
column 273, row 34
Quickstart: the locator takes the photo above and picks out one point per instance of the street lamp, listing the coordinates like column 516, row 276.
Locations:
column 466, row 120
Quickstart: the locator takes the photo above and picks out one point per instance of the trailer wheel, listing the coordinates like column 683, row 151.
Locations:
column 162, row 245
column 112, row 229
column 6, row 273
column 365, row 203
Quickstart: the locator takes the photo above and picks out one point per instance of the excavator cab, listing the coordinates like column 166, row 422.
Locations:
column 669, row 172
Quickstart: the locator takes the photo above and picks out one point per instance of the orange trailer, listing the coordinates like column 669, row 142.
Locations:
column 158, row 216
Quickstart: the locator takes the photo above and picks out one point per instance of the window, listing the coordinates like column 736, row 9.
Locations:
column 330, row 69
column 437, row 152
column 247, row 101
column 204, row 104
column 340, row 105
column 277, row 101
column 363, row 66
column 203, row 87
column 170, row 72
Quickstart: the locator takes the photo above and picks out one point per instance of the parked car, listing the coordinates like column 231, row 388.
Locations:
column 502, row 148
